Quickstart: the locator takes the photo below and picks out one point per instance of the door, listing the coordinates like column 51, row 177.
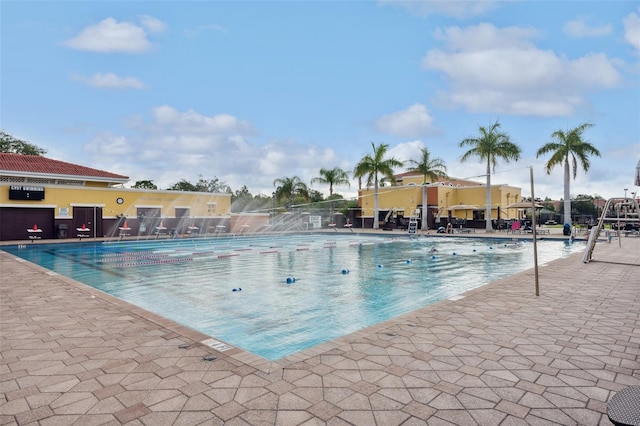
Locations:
column 90, row 217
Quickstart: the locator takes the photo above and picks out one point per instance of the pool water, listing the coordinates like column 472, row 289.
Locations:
column 276, row 295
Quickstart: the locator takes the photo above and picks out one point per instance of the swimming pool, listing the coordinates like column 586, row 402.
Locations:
column 276, row 295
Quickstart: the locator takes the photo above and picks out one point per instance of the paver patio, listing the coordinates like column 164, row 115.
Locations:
column 497, row 356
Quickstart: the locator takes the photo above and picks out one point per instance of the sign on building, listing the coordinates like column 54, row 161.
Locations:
column 26, row 192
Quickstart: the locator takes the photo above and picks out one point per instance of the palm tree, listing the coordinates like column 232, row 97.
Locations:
column 335, row 176
column 491, row 145
column 374, row 166
column 568, row 147
column 431, row 169
column 289, row 188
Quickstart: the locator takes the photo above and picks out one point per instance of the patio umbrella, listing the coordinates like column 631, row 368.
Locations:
column 523, row 205
column 465, row 207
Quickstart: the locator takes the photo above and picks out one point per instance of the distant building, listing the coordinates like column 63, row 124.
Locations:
column 63, row 200
column 459, row 200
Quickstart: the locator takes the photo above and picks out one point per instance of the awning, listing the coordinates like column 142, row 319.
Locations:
column 523, row 205
column 464, row 207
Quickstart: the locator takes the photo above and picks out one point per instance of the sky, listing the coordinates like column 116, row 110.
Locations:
column 253, row 91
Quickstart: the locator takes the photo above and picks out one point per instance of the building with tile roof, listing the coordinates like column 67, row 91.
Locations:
column 38, row 169
column 42, row 198
column 450, row 200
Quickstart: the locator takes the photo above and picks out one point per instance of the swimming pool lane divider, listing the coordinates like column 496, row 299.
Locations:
column 162, row 254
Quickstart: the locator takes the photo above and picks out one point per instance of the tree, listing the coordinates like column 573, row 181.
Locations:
column 373, row 167
column 289, row 188
column 144, row 184
column 568, row 148
column 431, row 169
column 9, row 144
column 491, row 145
column 183, row 185
column 203, row 185
column 331, row 177
column 211, row 185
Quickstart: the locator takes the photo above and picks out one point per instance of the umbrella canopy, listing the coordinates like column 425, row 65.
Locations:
column 523, row 205
column 464, row 207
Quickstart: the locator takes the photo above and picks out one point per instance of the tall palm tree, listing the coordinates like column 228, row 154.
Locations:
column 568, row 147
column 335, row 176
column 431, row 169
column 289, row 188
column 489, row 146
column 373, row 167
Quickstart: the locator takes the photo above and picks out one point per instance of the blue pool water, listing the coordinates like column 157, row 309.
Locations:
column 276, row 295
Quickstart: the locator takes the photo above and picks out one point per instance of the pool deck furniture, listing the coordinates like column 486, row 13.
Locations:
column 83, row 232
column 34, row 234
column 124, row 231
column 160, row 230
column 495, row 355
column 623, row 409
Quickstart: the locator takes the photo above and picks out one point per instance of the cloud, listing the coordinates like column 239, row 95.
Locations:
column 500, row 70
column 412, row 122
column 193, row 33
column 191, row 123
column 108, row 144
column 152, row 24
column 174, row 145
column 455, row 8
column 581, row 28
column 631, row 25
column 111, row 36
column 110, row 81
column 406, row 151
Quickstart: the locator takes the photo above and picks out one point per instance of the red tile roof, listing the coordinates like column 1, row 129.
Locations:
column 34, row 164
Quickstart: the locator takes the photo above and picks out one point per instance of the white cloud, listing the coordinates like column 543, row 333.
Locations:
column 500, row 70
column 152, row 24
column 411, row 122
column 581, row 28
column 110, row 81
column 632, row 29
column 455, row 8
column 106, row 144
column 406, row 151
column 193, row 33
column 193, row 123
column 175, row 145
column 111, row 36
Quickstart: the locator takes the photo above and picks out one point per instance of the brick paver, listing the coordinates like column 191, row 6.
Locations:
column 498, row 355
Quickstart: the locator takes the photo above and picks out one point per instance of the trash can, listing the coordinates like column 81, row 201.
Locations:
column 566, row 230
column 63, row 229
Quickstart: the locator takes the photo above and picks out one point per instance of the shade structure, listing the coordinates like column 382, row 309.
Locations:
column 464, row 207
column 523, row 205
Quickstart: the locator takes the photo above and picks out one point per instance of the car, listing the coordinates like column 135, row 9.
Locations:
column 551, row 222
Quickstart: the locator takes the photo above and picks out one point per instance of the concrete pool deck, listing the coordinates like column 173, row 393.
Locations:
column 496, row 355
